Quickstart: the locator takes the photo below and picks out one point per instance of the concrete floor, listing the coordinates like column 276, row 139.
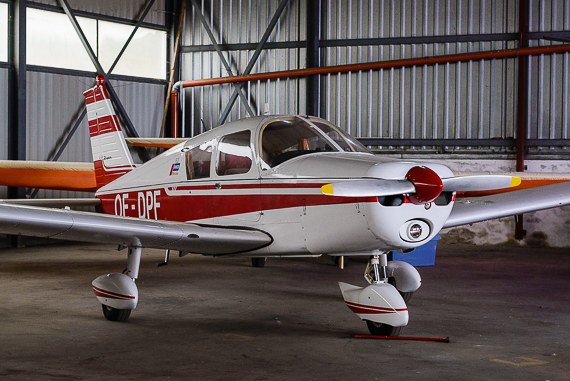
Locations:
column 506, row 311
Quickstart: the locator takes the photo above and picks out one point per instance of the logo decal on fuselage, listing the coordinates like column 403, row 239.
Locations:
column 175, row 167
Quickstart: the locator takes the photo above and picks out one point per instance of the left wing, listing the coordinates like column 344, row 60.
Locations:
column 470, row 210
column 128, row 232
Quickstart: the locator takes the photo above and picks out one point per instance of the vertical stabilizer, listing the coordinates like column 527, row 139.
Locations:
column 111, row 156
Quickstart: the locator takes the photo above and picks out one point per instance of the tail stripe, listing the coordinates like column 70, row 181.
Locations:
column 111, row 155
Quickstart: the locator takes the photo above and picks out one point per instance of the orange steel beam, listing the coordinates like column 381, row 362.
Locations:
column 382, row 65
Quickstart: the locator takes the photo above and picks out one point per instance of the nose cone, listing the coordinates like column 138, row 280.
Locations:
column 428, row 184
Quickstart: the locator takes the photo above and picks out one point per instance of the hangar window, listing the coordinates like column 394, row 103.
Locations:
column 3, row 32
column 234, row 154
column 144, row 57
column 198, row 161
column 53, row 42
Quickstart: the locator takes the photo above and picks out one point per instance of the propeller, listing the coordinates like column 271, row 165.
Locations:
column 479, row 183
column 422, row 185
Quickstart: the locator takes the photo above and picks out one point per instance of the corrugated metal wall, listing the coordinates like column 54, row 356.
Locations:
column 456, row 100
column 242, row 22
column 471, row 100
column 54, row 103
column 549, row 95
column 3, row 120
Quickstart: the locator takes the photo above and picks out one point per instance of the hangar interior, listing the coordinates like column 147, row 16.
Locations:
column 480, row 85
column 496, row 98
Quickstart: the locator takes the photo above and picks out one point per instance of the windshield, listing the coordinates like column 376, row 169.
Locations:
column 287, row 138
column 344, row 141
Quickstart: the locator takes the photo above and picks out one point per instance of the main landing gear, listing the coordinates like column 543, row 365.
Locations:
column 118, row 293
column 381, row 304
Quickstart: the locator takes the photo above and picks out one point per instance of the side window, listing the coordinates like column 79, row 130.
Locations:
column 234, row 154
column 198, row 161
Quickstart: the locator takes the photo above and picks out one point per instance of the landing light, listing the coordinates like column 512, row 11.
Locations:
column 415, row 231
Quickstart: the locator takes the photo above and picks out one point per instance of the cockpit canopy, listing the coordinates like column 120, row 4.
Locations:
column 278, row 139
column 289, row 137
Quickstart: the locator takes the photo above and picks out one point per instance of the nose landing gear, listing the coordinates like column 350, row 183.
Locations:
column 380, row 304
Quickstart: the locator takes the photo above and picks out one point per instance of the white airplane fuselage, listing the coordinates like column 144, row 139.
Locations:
column 284, row 200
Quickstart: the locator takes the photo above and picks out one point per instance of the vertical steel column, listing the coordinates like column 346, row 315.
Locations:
column 17, row 86
column 17, row 94
column 521, row 101
column 522, row 85
column 312, row 59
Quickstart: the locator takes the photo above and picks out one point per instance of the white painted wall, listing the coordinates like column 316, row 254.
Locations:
column 546, row 227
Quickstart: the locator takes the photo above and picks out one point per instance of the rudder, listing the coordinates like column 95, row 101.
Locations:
column 111, row 156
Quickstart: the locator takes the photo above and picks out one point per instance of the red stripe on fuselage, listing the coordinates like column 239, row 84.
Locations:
column 105, row 175
column 196, row 207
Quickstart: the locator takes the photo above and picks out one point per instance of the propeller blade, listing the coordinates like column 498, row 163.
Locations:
column 368, row 188
column 422, row 185
column 479, row 183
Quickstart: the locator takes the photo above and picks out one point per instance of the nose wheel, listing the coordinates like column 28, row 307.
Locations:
column 381, row 329
column 115, row 314
column 379, row 304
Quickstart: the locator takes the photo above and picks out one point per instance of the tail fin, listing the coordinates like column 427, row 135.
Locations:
column 111, row 157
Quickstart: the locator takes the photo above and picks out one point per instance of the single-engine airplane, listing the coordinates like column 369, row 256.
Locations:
column 270, row 186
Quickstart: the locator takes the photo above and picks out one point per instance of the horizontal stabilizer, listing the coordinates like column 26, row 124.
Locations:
column 155, row 142
column 48, row 175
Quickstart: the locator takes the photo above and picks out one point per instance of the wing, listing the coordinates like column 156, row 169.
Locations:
column 48, row 175
column 467, row 211
column 125, row 231
column 528, row 180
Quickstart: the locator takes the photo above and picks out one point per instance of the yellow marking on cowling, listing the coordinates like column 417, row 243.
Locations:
column 327, row 189
column 515, row 181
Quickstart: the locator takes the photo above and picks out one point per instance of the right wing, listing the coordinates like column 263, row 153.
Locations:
column 128, row 232
column 470, row 210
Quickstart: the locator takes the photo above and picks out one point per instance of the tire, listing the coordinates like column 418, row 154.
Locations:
column 115, row 314
column 381, row 329
column 258, row 262
column 405, row 295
